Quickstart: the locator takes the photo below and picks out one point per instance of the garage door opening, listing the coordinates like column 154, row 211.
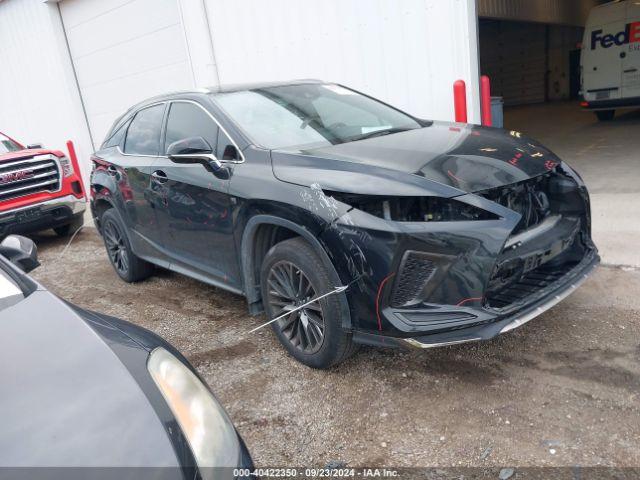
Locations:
column 532, row 53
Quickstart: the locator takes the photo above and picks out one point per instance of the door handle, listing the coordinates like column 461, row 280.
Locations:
column 159, row 177
column 630, row 70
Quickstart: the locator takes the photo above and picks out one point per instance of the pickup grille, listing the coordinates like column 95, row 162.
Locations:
column 28, row 176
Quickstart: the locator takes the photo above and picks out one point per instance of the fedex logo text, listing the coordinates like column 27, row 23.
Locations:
column 631, row 34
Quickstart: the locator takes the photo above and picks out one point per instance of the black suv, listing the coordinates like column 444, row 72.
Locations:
column 412, row 232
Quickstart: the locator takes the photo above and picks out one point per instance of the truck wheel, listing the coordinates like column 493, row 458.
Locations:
column 291, row 275
column 70, row 228
column 605, row 115
column 127, row 265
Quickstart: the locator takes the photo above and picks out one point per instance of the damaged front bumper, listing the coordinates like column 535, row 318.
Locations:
column 427, row 284
column 487, row 325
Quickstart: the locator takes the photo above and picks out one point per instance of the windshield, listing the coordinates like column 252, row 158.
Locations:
column 7, row 145
column 310, row 115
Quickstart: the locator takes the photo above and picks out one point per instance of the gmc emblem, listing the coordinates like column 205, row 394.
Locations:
column 15, row 176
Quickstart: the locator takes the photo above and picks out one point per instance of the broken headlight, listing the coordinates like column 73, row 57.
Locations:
column 413, row 209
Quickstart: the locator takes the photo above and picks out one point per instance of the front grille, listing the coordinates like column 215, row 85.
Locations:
column 28, row 176
column 414, row 273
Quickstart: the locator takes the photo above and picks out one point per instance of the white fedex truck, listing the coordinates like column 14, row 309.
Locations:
column 610, row 62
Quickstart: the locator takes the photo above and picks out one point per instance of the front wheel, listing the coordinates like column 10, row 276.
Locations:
column 293, row 274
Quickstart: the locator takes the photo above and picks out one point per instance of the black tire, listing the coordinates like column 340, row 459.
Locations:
column 299, row 332
column 71, row 227
column 605, row 115
column 127, row 265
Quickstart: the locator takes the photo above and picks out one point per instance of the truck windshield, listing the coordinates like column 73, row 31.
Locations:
column 310, row 115
column 7, row 145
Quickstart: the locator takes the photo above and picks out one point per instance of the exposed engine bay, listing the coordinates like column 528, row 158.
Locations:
column 551, row 238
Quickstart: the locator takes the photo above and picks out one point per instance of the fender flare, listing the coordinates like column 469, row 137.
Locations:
column 251, row 284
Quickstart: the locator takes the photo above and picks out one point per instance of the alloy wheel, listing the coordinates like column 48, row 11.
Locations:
column 289, row 288
column 116, row 248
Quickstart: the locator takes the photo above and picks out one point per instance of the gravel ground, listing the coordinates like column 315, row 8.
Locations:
column 561, row 390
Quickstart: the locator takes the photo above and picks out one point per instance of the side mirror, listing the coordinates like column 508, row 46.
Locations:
column 197, row 150
column 34, row 146
column 21, row 251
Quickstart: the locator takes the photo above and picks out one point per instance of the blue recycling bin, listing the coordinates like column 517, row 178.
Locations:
column 497, row 115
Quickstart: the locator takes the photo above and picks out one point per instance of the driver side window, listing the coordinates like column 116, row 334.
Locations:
column 188, row 120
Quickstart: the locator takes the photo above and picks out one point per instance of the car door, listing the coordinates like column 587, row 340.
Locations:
column 131, row 166
column 195, row 218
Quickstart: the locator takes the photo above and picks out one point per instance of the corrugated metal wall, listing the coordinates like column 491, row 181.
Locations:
column 408, row 53
column 39, row 101
column 514, row 57
column 124, row 52
column 566, row 12
column 527, row 62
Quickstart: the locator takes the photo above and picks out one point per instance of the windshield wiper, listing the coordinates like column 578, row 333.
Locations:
column 379, row 133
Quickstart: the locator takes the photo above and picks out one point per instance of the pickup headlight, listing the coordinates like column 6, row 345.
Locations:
column 66, row 166
column 210, row 433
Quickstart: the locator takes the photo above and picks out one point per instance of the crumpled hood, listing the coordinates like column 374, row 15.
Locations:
column 460, row 158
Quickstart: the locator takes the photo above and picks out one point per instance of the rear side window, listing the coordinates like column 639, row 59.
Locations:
column 117, row 137
column 188, row 120
column 143, row 136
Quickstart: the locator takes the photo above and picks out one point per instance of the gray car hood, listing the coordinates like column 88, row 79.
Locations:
column 66, row 399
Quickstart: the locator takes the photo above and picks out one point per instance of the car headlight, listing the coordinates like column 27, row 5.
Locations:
column 66, row 166
column 210, row 433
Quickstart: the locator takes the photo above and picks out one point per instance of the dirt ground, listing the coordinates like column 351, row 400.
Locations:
column 559, row 391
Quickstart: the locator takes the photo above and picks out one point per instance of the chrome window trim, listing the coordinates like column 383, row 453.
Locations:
column 180, row 100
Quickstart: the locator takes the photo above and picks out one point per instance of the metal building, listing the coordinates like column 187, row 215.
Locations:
column 72, row 66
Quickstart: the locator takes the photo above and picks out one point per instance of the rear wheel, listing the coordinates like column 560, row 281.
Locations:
column 293, row 274
column 605, row 115
column 127, row 265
